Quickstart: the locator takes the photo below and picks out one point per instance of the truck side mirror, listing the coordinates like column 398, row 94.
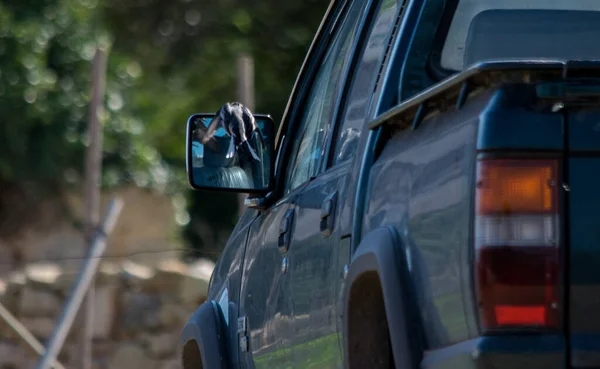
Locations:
column 218, row 160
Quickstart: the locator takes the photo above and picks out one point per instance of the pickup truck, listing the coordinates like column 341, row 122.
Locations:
column 430, row 199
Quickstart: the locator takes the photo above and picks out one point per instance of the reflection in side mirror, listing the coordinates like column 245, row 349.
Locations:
column 222, row 161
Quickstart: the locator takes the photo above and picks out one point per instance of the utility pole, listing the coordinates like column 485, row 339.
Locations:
column 91, row 192
column 245, row 92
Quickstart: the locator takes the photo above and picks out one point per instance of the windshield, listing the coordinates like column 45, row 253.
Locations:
column 521, row 29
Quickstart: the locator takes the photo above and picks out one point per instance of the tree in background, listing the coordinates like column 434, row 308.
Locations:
column 188, row 51
column 45, row 51
column 168, row 59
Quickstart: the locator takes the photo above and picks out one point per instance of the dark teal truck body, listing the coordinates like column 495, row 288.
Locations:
column 370, row 262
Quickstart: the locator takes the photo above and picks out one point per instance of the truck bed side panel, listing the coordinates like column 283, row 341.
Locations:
column 421, row 183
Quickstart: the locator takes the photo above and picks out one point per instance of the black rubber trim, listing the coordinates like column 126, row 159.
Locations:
column 377, row 252
column 205, row 327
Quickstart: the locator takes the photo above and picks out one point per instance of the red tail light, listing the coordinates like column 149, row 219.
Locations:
column 516, row 243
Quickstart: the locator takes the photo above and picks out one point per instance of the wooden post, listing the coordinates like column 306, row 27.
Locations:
column 245, row 87
column 93, row 170
column 84, row 281
column 245, row 92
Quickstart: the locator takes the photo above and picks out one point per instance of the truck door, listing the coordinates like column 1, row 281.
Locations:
column 266, row 329
column 265, row 308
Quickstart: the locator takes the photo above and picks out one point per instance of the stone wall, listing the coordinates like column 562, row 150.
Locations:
column 139, row 312
column 146, row 231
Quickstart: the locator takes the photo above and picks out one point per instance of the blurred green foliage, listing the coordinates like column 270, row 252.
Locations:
column 167, row 59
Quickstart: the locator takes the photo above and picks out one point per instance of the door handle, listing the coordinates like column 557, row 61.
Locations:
column 285, row 231
column 328, row 214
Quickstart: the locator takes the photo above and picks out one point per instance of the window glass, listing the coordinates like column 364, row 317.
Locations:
column 521, row 29
column 361, row 89
column 414, row 72
column 315, row 123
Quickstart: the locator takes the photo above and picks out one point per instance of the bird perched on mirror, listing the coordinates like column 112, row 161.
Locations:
column 233, row 135
column 239, row 123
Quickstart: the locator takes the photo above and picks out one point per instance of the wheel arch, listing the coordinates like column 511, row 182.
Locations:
column 376, row 291
column 202, row 339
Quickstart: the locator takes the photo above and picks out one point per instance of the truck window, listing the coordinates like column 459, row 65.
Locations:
column 452, row 35
column 414, row 73
column 361, row 82
column 521, row 29
column 315, row 123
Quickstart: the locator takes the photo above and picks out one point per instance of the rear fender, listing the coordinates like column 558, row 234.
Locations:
column 379, row 252
column 203, row 339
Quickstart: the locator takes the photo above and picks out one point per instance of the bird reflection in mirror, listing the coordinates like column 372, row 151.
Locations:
column 234, row 150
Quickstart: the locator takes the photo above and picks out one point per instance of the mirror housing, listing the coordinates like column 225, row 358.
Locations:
column 217, row 160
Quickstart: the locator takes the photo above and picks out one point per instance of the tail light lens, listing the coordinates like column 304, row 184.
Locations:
column 516, row 243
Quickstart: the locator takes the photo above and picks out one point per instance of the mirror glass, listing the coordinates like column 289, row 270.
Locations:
column 230, row 156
